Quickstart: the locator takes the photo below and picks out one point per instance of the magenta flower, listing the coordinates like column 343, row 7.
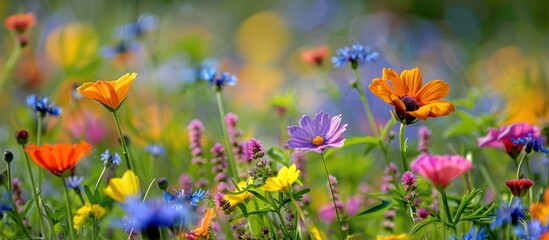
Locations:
column 317, row 134
column 441, row 169
column 504, row 136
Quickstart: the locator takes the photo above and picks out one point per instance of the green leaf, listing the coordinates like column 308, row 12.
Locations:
column 27, row 208
column 89, row 195
column 375, row 209
column 370, row 140
column 258, row 195
column 277, row 155
column 423, row 224
column 243, row 209
column 467, row 125
column 105, row 201
column 301, row 193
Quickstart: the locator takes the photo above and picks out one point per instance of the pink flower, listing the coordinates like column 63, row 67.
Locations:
column 441, row 169
column 503, row 136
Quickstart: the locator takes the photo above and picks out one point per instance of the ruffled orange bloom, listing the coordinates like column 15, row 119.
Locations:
column 410, row 97
column 59, row 157
column 202, row 230
column 316, row 55
column 109, row 93
column 20, row 22
column 540, row 210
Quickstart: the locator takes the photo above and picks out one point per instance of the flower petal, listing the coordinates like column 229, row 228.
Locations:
column 433, row 90
column 413, row 80
column 382, row 89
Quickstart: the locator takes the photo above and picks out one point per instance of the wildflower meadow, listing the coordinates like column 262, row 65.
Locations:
column 314, row 119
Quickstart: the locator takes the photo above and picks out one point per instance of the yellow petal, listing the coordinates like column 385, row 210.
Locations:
column 123, row 84
column 433, row 90
column 413, row 80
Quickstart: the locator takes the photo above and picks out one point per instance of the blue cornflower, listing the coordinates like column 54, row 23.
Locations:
column 5, row 204
column 357, row 55
column 196, row 197
column 210, row 74
column 130, row 31
column 107, row 158
column 533, row 231
column 74, row 182
column 532, row 143
column 156, row 150
column 474, row 235
column 43, row 106
column 509, row 214
column 152, row 214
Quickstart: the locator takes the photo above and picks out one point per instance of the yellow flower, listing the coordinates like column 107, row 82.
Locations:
column 121, row 188
column 393, row 237
column 317, row 234
column 109, row 93
column 86, row 211
column 283, row 181
column 238, row 198
column 540, row 211
column 410, row 97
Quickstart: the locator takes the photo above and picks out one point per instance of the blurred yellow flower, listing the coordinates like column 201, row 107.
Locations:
column 283, row 181
column 72, row 46
column 393, row 237
column 316, row 234
column 121, row 188
column 85, row 212
column 109, row 93
column 238, row 198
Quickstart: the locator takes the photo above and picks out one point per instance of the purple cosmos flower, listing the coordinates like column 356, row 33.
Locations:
column 317, row 134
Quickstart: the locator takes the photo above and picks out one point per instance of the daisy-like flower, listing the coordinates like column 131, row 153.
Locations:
column 210, row 74
column 43, row 106
column 410, row 97
column 441, row 169
column 109, row 93
column 356, row 55
column 317, row 134
column 283, row 181
column 120, row 189
column 58, row 158
column 519, row 187
column 20, row 22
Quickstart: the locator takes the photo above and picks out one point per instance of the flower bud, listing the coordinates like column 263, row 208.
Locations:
column 8, row 156
column 163, row 183
column 22, row 137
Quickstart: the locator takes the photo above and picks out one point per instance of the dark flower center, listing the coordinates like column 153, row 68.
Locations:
column 410, row 103
column 318, row 140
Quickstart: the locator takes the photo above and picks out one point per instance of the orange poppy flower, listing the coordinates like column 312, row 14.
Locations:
column 316, row 55
column 202, row 230
column 59, row 157
column 20, row 22
column 109, row 93
column 540, row 210
column 410, row 97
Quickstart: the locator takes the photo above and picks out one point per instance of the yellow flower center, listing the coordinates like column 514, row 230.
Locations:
column 318, row 140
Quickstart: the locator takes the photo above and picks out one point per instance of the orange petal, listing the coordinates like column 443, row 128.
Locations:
column 433, row 109
column 382, row 89
column 398, row 84
column 433, row 90
column 397, row 102
column 546, row 196
column 123, row 84
column 413, row 80
column 422, row 113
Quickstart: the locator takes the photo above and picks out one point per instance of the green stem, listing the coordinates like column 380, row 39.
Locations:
column 364, row 99
column 15, row 210
column 35, row 194
column 122, row 140
column 232, row 164
column 95, row 229
column 403, row 147
column 333, row 197
column 10, row 63
column 100, row 177
column 277, row 211
column 520, row 164
column 68, row 206
column 447, row 208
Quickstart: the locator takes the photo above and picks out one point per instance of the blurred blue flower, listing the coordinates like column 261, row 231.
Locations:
column 533, row 231
column 474, row 235
column 152, row 214
column 5, row 204
column 181, row 197
column 120, row 49
column 509, row 214
column 107, row 158
column 356, row 55
column 156, row 150
column 43, row 106
column 210, row 74
column 196, row 197
column 130, row 31
column 74, row 182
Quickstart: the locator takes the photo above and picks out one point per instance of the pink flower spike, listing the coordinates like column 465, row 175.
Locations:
column 441, row 169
